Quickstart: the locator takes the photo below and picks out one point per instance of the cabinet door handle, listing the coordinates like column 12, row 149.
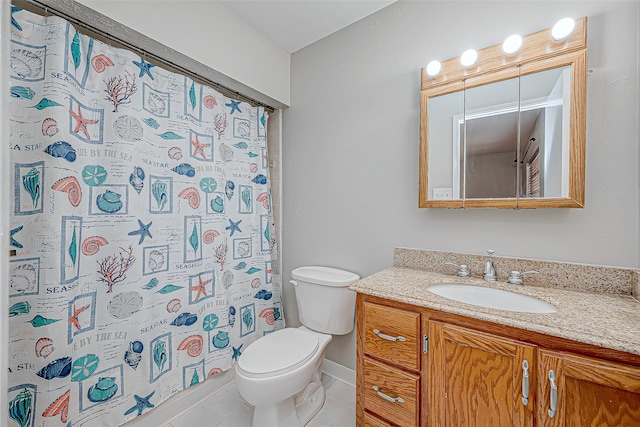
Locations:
column 525, row 382
column 388, row 337
column 387, row 397
column 553, row 395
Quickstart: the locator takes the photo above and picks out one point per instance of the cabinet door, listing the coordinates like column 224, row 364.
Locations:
column 589, row 392
column 476, row 379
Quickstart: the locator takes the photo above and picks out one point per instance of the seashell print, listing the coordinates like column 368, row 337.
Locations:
column 109, row 202
column 175, row 153
column 31, row 183
column 209, row 236
column 103, row 390
column 241, row 265
column 151, row 122
column 267, row 315
column 232, row 316
column 209, row 101
column 245, row 196
column 226, row 152
column 174, row 305
column 253, row 270
column 247, row 319
column 243, row 249
column 21, row 408
column 264, row 199
column 76, row 56
column 128, row 128
column 209, row 322
column 59, row 368
column 185, row 319
column 193, row 344
column 228, row 189
column 243, row 130
column 152, row 284
column 44, row 347
column 83, row 367
column 156, row 260
column 208, row 185
column 61, row 149
column 192, row 95
column 253, row 167
column 49, row 127
column 72, row 250
column 136, row 346
column 91, row 245
column 166, row 289
column 192, row 195
column 22, row 307
column 255, row 283
column 156, row 104
column 227, row 279
column 136, row 179
column 170, row 135
column 260, row 179
column 94, row 175
column 185, row 169
column 25, row 64
column 100, row 63
column 217, row 204
column 39, row 321
column 160, row 355
column 159, row 191
column 221, row 339
column 193, row 239
column 133, row 355
column 71, row 186
column 263, row 294
column 124, row 305
column 252, row 155
column 60, row 406
column 22, row 92
column 23, row 278
column 46, row 103
column 242, row 145
column 214, row 371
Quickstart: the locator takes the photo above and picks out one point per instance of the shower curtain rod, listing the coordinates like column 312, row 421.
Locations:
column 47, row 9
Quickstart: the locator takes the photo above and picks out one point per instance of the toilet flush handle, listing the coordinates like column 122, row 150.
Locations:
column 293, row 282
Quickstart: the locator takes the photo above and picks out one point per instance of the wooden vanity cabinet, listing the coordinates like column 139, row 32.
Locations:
column 454, row 371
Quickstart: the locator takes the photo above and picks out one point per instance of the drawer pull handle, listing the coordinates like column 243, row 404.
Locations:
column 525, row 382
column 553, row 395
column 387, row 397
column 388, row 337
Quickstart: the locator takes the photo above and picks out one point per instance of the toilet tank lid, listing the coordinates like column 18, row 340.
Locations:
column 327, row 276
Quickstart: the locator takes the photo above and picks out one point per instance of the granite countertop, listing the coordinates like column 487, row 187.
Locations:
column 606, row 320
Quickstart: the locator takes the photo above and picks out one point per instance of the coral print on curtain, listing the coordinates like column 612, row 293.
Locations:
column 145, row 251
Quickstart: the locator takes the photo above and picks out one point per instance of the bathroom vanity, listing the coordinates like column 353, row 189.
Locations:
column 425, row 360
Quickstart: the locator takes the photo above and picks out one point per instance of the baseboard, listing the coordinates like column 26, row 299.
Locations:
column 340, row 372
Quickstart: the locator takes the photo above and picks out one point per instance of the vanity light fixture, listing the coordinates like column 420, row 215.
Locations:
column 469, row 57
column 512, row 44
column 563, row 28
column 433, row 68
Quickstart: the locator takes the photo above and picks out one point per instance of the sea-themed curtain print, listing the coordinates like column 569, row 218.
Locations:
column 144, row 247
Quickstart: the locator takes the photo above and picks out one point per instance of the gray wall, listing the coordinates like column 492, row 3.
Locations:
column 350, row 144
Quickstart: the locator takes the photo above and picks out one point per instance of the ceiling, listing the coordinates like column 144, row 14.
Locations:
column 294, row 24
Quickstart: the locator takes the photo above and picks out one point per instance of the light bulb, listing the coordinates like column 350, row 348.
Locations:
column 563, row 28
column 433, row 68
column 512, row 44
column 469, row 58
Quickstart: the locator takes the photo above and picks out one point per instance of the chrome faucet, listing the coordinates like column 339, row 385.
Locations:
column 489, row 273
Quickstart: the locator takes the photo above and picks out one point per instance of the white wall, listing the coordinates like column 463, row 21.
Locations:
column 209, row 33
column 350, row 144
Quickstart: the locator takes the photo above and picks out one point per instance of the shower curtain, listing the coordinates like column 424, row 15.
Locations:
column 144, row 258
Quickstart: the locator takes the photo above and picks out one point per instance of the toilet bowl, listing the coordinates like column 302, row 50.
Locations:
column 279, row 374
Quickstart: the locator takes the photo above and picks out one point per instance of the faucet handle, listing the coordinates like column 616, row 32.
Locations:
column 514, row 278
column 463, row 269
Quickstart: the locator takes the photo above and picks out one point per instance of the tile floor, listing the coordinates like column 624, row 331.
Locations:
column 226, row 408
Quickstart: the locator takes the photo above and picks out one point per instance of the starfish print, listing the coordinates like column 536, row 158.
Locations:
column 13, row 20
column 142, row 403
column 145, row 67
column 234, row 105
column 200, row 287
column 143, row 231
column 76, row 312
column 233, row 226
column 236, row 352
column 14, row 242
column 197, row 147
column 81, row 122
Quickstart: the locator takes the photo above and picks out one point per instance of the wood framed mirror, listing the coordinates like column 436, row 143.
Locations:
column 510, row 131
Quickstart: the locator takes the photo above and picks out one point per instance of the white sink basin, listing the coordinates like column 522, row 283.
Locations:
column 491, row 298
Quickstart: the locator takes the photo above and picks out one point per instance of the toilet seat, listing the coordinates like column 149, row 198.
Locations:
column 278, row 353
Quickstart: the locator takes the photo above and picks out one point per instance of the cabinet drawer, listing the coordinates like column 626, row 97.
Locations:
column 373, row 421
column 390, row 384
column 392, row 334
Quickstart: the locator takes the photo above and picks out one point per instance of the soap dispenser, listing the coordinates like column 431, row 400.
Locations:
column 489, row 273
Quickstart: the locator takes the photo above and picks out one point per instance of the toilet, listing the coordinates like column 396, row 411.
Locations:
column 279, row 374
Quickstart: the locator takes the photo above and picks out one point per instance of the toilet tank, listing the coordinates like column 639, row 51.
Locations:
column 325, row 303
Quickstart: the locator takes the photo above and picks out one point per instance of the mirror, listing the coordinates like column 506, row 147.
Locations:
column 507, row 137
